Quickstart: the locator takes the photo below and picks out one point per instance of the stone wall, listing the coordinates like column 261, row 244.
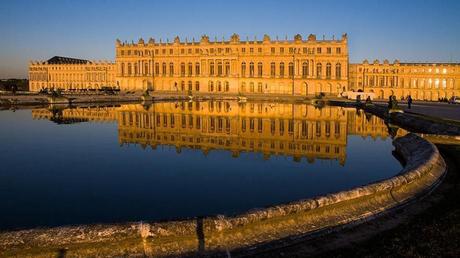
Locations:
column 424, row 168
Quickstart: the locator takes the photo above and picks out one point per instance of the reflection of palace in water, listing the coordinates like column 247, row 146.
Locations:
column 297, row 130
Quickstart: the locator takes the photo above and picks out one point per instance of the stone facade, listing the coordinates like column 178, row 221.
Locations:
column 70, row 73
column 291, row 67
column 423, row 81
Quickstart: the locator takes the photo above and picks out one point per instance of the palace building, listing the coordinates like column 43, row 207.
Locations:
column 293, row 67
column 70, row 73
column 423, row 81
column 297, row 67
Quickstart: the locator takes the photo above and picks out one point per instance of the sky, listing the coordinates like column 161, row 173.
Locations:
column 408, row 30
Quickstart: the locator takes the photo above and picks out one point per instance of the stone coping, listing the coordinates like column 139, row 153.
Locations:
column 220, row 235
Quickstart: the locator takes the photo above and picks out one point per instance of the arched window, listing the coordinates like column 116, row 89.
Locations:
column 281, row 69
column 197, row 86
column 219, row 86
column 251, row 69
column 163, row 69
column 251, row 87
column 182, row 69
column 190, row 85
column 157, row 68
column 171, row 69
column 319, row 67
column 197, row 69
column 227, row 86
column 338, row 71
column 272, row 70
column 305, row 70
column 328, row 70
column 146, row 68
column 259, row 87
column 259, row 69
column 243, row 69
column 130, row 69
column 135, row 69
column 219, row 68
column 211, row 86
column 227, row 68
column 211, row 68
column 291, row 69
column 182, row 85
column 190, row 69
column 122, row 69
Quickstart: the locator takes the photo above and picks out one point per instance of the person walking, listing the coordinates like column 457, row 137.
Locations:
column 409, row 102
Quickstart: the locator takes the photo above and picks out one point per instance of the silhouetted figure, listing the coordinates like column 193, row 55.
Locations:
column 409, row 102
column 200, row 234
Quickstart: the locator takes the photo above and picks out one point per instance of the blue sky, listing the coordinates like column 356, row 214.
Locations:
column 410, row 30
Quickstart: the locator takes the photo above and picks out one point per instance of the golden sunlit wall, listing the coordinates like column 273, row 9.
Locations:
column 90, row 75
column 423, row 81
column 298, row 66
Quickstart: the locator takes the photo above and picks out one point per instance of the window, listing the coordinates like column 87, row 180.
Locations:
column 146, row 68
column 304, row 69
column 182, row 69
column 305, row 50
column 219, row 68
column 157, row 69
column 197, row 69
column 338, row 71
column 210, row 86
column 190, row 85
column 328, row 70
column 281, row 69
column 291, row 69
column 329, row 50
column 259, row 87
column 197, row 86
column 211, row 68
column 338, row 51
column 243, row 50
column 318, row 50
column 227, row 86
column 251, row 50
column 163, row 68
column 259, row 69
column 243, row 69
column 122, row 69
column 190, row 69
column 319, row 67
column 171, row 69
column 251, row 87
column 281, row 50
column 272, row 70
column 227, row 68
column 272, row 50
column 251, row 69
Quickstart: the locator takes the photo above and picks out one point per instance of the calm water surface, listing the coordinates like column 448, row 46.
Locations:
column 177, row 160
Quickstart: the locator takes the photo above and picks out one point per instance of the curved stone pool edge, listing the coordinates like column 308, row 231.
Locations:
column 424, row 169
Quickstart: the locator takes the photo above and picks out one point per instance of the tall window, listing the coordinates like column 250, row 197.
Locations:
column 243, row 69
column 304, row 69
column 227, row 86
column 319, row 67
column 219, row 68
column 122, row 69
column 251, row 69
column 171, row 69
column 163, row 67
column 211, row 86
column 197, row 69
column 190, row 69
column 135, row 69
column 259, row 69
column 211, row 68
column 281, row 69
column 190, row 85
column 272, row 70
column 227, row 68
column 338, row 71
column 197, row 86
column 182, row 69
column 157, row 68
column 328, row 70
column 146, row 68
column 291, row 69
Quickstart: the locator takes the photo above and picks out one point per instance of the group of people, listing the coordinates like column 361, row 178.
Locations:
column 392, row 102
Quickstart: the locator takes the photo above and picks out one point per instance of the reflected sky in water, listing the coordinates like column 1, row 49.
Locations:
column 84, row 172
